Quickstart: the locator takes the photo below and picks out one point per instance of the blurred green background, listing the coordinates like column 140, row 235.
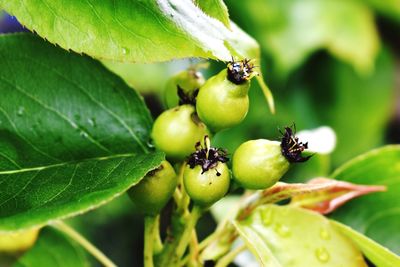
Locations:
column 328, row 63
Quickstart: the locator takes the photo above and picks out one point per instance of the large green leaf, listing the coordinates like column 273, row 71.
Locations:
column 72, row 134
column 216, row 9
column 376, row 215
column 291, row 30
column 377, row 254
column 54, row 249
column 289, row 236
column 135, row 31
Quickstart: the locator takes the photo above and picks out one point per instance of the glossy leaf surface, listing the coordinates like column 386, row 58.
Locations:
column 72, row 134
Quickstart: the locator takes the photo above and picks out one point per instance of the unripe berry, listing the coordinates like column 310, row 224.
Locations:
column 152, row 193
column 206, row 176
column 206, row 188
column 177, row 130
column 259, row 164
column 223, row 100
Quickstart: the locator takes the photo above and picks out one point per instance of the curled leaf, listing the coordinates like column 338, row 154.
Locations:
column 333, row 196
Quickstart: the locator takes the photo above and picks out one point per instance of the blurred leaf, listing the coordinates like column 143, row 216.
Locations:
column 54, row 249
column 216, row 9
column 324, row 92
column 376, row 215
column 377, row 254
column 291, row 30
column 390, row 8
column 357, row 108
column 142, row 76
column 73, row 136
column 133, row 31
column 226, row 208
column 288, row 236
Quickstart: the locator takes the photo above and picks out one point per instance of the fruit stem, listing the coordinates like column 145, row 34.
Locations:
column 194, row 248
column 95, row 252
column 185, row 200
column 158, row 245
column 150, row 231
column 173, row 251
column 187, row 233
column 209, row 239
column 228, row 258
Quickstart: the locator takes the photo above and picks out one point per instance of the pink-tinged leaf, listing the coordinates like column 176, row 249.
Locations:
column 334, row 195
column 280, row 191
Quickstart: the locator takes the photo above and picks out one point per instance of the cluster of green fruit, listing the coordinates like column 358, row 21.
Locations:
column 197, row 110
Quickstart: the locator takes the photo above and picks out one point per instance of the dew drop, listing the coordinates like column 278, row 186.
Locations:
column 322, row 254
column 92, row 122
column 324, row 234
column 282, row 230
column 267, row 217
column 84, row 134
column 21, row 111
column 125, row 51
column 150, row 144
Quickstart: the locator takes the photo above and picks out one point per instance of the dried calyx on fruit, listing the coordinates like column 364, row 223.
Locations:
column 206, row 176
column 240, row 71
column 259, row 164
column 223, row 100
column 185, row 98
column 183, row 87
column 291, row 146
column 207, row 157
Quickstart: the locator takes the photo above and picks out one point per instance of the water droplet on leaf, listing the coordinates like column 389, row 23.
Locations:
column 21, row 111
column 84, row 134
column 282, row 230
column 267, row 217
column 322, row 254
column 92, row 122
column 324, row 234
column 125, row 51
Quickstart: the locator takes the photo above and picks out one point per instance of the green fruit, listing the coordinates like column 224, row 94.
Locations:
column 176, row 132
column 221, row 103
column 189, row 81
column 209, row 187
column 18, row 241
column 259, row 164
column 152, row 193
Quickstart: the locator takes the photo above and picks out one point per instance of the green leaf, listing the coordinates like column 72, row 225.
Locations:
column 376, row 215
column 297, row 237
column 135, row 31
column 379, row 255
column 257, row 246
column 389, row 8
column 72, row 134
column 54, row 249
column 216, row 9
column 292, row 30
